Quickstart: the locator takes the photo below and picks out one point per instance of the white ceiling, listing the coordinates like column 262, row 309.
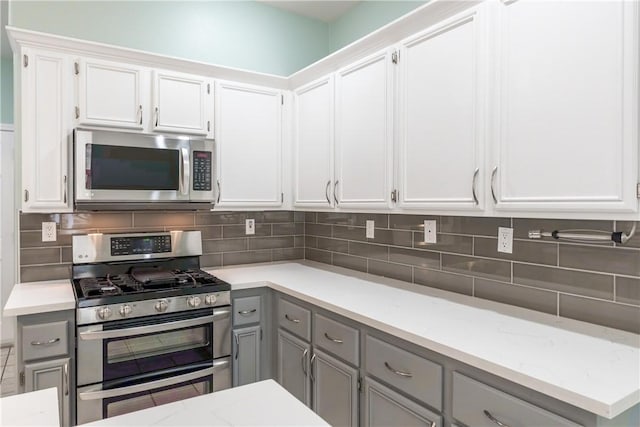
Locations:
column 324, row 10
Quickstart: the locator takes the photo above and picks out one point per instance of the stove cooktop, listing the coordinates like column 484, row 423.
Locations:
column 144, row 283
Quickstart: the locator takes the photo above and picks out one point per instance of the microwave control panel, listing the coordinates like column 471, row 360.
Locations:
column 201, row 171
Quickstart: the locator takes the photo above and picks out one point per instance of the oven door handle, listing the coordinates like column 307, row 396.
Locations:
column 122, row 391
column 149, row 329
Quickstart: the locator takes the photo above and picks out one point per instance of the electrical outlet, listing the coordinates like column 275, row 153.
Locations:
column 430, row 232
column 371, row 227
column 505, row 240
column 48, row 231
column 250, row 226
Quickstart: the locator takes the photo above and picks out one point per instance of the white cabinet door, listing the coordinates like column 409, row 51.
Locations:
column 364, row 150
column 45, row 130
column 182, row 103
column 313, row 144
column 112, row 94
column 249, row 143
column 441, row 115
column 566, row 131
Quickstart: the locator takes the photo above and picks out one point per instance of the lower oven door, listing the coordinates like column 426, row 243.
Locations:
column 145, row 346
column 123, row 396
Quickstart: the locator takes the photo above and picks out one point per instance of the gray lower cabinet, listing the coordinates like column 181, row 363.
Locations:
column 335, row 390
column 52, row 373
column 246, row 355
column 384, row 407
column 293, row 366
column 45, row 357
column 479, row 405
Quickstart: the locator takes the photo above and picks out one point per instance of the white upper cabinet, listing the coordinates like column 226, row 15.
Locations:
column 313, row 144
column 566, row 114
column 441, row 116
column 248, row 134
column 364, row 134
column 182, row 103
column 111, row 94
column 45, row 129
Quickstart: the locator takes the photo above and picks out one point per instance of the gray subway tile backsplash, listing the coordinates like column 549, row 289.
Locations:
column 597, row 284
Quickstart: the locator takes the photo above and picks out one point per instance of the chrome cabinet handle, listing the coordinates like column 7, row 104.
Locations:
column 51, row 341
column 66, row 379
column 494, row 419
column 140, row 112
column 64, row 186
column 335, row 189
column 157, row 116
column 247, row 312
column 26, row 195
column 493, row 193
column 291, row 319
column 304, row 361
column 474, row 183
column 337, row 341
column 395, row 371
column 237, row 346
column 313, row 358
column 219, row 191
column 326, row 192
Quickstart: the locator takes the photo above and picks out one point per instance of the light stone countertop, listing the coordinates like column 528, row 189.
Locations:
column 264, row 403
column 592, row 367
column 37, row 408
column 589, row 366
column 40, row 297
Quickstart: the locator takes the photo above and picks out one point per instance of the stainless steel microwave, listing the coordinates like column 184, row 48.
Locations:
column 118, row 170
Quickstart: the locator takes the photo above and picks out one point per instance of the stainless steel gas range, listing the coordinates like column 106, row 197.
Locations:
column 152, row 327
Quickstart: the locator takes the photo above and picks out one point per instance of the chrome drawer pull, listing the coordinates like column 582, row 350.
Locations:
column 473, row 186
column 395, row 371
column 51, row 341
column 332, row 339
column 495, row 420
column 247, row 312
column 304, row 361
column 291, row 319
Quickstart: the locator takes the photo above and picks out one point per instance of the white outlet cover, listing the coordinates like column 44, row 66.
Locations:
column 49, row 232
column 430, row 232
column 505, row 240
column 371, row 227
column 250, row 226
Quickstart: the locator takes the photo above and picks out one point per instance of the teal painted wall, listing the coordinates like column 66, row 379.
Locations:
column 240, row 34
column 364, row 18
column 6, row 90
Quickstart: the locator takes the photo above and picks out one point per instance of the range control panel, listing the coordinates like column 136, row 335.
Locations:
column 140, row 245
column 202, row 171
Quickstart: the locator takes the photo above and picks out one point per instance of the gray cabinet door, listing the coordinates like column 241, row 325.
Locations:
column 335, row 390
column 293, row 366
column 53, row 373
column 386, row 408
column 246, row 355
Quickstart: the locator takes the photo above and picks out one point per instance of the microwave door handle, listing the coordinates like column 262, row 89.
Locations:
column 184, row 171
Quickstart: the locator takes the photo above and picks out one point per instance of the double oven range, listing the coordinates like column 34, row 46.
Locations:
column 152, row 327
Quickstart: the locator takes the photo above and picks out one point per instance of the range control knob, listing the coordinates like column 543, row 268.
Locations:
column 194, row 301
column 104, row 313
column 162, row 305
column 125, row 310
column 210, row 299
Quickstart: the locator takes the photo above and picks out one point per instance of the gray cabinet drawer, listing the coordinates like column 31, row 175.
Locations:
column 406, row 371
column 294, row 319
column 337, row 338
column 472, row 398
column 246, row 310
column 45, row 340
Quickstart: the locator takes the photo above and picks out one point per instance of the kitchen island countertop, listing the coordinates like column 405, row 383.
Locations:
column 264, row 403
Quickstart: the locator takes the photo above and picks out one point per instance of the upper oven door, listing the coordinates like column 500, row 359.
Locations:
column 124, row 167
